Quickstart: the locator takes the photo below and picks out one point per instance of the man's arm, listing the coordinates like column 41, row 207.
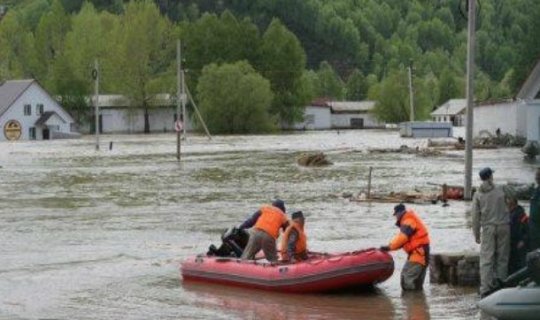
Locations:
column 475, row 211
column 250, row 222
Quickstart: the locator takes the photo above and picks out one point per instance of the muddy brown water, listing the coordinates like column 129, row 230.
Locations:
column 100, row 235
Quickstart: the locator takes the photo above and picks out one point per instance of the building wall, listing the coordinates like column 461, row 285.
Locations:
column 33, row 96
column 131, row 120
column 509, row 117
column 533, row 120
column 343, row 120
column 315, row 118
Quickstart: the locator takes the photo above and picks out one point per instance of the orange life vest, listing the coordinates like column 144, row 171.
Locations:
column 413, row 238
column 270, row 220
column 301, row 243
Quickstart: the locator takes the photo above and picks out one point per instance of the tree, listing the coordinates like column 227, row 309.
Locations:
column 330, row 84
column 282, row 61
column 17, row 51
column 50, row 36
column 144, row 51
column 357, row 86
column 234, row 98
column 392, row 96
column 449, row 86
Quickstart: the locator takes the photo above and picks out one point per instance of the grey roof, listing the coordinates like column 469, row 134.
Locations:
column 10, row 91
column 531, row 86
column 121, row 101
column 351, row 106
column 45, row 116
column 451, row 107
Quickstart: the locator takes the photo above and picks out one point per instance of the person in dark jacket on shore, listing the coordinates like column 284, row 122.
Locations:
column 534, row 217
column 519, row 236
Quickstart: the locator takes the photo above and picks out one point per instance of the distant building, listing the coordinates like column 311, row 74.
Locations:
column 324, row 114
column 28, row 112
column 425, row 129
column 118, row 115
column 353, row 115
column 519, row 117
column 452, row 111
column 317, row 116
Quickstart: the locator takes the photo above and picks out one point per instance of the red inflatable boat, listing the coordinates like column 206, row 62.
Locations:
column 320, row 273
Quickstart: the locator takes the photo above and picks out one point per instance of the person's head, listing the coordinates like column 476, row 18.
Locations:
column 537, row 176
column 511, row 202
column 399, row 210
column 486, row 174
column 298, row 217
column 278, row 203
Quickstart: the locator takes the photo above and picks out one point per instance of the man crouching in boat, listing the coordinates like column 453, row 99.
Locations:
column 266, row 223
column 413, row 237
column 294, row 242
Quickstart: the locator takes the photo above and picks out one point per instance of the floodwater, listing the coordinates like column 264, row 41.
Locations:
column 100, row 235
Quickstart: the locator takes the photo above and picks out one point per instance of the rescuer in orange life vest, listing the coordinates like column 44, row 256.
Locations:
column 413, row 237
column 293, row 241
column 266, row 223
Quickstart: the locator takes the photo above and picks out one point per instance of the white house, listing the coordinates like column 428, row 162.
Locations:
column 519, row 117
column 353, row 115
column 28, row 112
column 117, row 115
column 317, row 116
column 452, row 111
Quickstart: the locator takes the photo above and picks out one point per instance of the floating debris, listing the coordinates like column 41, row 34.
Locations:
column 313, row 160
column 423, row 152
column 531, row 150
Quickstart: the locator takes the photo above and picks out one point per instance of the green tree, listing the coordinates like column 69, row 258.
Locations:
column 50, row 36
column 17, row 51
column 330, row 84
column 357, row 86
column 143, row 52
column 449, row 86
column 393, row 102
column 234, row 98
column 282, row 61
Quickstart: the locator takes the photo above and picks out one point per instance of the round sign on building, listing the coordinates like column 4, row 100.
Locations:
column 12, row 130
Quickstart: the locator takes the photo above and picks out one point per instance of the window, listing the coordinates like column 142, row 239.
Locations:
column 39, row 109
column 27, row 109
column 310, row 119
column 32, row 133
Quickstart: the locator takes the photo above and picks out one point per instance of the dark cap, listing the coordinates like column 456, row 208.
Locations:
column 485, row 173
column 278, row 203
column 297, row 215
column 399, row 208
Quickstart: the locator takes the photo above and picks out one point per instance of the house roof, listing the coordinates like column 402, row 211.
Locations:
column 351, row 106
column 531, row 87
column 121, row 101
column 46, row 116
column 10, row 91
column 450, row 107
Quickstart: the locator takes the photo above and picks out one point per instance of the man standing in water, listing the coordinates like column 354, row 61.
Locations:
column 413, row 237
column 489, row 215
column 534, row 219
column 266, row 223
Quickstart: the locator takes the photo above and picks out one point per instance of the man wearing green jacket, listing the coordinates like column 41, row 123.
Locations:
column 534, row 218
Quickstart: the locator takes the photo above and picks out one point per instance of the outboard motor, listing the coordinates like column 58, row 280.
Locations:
column 234, row 242
column 533, row 265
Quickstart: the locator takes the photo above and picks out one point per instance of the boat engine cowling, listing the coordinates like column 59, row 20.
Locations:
column 533, row 265
column 234, row 242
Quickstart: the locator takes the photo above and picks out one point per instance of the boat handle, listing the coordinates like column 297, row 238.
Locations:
column 335, row 259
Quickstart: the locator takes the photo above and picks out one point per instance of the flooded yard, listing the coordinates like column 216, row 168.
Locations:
column 99, row 235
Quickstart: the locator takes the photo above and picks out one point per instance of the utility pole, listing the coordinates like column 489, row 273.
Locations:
column 411, row 97
column 95, row 75
column 470, row 98
column 184, row 112
column 179, row 98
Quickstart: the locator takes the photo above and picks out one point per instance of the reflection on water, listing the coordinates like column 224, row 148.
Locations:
column 246, row 303
column 99, row 235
